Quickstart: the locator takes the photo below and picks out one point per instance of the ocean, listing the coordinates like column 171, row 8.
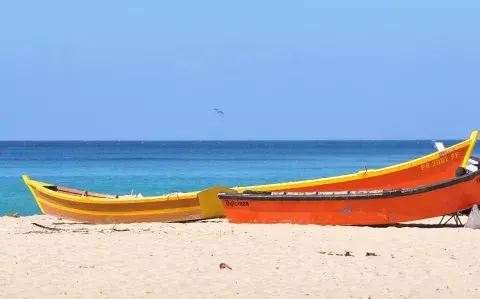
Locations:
column 159, row 167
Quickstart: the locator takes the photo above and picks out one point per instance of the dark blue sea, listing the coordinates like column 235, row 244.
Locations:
column 158, row 167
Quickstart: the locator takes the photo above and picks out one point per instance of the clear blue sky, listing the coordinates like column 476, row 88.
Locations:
column 314, row 69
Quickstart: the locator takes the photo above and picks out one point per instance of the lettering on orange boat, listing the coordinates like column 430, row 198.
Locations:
column 236, row 203
column 439, row 162
column 425, row 166
column 454, row 155
column 442, row 160
column 347, row 210
column 443, row 153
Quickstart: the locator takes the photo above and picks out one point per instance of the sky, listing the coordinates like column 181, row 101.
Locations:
column 282, row 70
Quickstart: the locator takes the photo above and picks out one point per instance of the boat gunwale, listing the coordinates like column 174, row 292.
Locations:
column 470, row 143
column 348, row 195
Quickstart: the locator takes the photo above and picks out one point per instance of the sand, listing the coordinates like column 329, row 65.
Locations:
column 160, row 260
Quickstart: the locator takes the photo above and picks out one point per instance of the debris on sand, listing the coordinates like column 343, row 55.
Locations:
column 46, row 227
column 347, row 253
column 223, row 266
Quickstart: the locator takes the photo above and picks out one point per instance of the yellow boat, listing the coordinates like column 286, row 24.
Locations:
column 92, row 207
column 105, row 208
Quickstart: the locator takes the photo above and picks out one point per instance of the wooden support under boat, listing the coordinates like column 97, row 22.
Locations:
column 370, row 207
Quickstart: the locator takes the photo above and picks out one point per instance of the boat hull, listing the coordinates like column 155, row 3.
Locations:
column 103, row 210
column 428, row 169
column 387, row 207
column 440, row 168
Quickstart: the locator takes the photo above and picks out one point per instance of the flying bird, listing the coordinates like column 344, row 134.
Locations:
column 218, row 111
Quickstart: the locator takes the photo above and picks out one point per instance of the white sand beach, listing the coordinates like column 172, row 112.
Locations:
column 160, row 260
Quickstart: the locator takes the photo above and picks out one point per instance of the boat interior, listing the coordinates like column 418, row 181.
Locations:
column 75, row 192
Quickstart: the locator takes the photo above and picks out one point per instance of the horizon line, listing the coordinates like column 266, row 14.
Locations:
column 216, row 140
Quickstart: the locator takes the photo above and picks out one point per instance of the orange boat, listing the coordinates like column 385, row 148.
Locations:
column 93, row 207
column 369, row 207
column 428, row 169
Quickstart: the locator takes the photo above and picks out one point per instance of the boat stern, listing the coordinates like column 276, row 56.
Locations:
column 210, row 204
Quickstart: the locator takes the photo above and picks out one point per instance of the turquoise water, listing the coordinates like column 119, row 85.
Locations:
column 155, row 168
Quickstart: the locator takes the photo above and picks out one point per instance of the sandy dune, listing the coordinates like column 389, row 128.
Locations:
column 268, row 261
